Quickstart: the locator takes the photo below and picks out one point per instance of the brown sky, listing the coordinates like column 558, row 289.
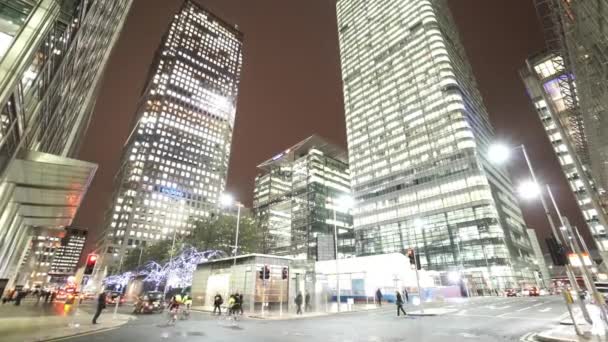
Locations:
column 291, row 87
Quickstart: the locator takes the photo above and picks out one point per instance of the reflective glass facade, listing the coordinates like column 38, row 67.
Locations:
column 568, row 139
column 295, row 197
column 175, row 162
column 52, row 57
column 417, row 135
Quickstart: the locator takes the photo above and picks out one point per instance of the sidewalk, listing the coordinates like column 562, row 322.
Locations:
column 43, row 328
column 566, row 334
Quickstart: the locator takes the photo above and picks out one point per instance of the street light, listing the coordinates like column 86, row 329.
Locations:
column 227, row 200
column 344, row 203
column 499, row 153
column 529, row 190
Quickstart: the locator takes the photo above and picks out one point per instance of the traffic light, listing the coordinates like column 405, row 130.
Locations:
column 266, row 272
column 414, row 258
column 285, row 273
column 90, row 266
column 411, row 256
column 558, row 252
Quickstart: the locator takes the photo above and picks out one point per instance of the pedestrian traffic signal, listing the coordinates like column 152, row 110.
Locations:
column 558, row 252
column 90, row 265
column 285, row 273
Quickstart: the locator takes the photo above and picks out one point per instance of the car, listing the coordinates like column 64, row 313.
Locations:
column 511, row 293
column 149, row 302
column 533, row 292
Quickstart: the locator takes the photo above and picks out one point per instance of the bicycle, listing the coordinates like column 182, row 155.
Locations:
column 172, row 316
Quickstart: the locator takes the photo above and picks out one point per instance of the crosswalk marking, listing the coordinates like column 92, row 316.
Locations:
column 524, row 309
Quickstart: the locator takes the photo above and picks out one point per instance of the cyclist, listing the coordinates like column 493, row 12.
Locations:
column 173, row 310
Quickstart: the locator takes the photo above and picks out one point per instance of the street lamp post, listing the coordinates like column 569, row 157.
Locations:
column 499, row 153
column 141, row 251
column 228, row 200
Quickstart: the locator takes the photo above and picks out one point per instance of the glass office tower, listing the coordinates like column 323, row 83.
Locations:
column 52, row 58
column 418, row 133
column 297, row 198
column 568, row 137
column 175, row 162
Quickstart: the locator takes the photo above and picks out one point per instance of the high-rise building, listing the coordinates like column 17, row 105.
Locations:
column 418, row 134
column 298, row 196
column 51, row 257
column 544, row 77
column 576, row 31
column 69, row 252
column 52, row 57
column 175, row 162
column 542, row 274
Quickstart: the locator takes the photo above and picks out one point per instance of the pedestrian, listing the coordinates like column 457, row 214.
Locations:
column 231, row 304
column 101, row 304
column 217, row 303
column 406, row 295
column 241, row 303
column 47, row 294
column 299, row 303
column 20, row 294
column 307, row 306
column 399, row 302
column 379, row 297
column 53, row 295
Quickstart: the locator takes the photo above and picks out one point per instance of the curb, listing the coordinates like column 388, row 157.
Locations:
column 545, row 338
column 80, row 334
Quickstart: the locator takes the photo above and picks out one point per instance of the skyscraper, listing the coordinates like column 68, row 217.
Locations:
column 417, row 138
column 543, row 78
column 52, row 58
column 175, row 161
column 297, row 198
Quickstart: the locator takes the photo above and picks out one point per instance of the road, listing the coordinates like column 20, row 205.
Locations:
column 479, row 319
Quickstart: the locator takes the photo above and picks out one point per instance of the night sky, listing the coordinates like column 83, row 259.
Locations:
column 291, row 88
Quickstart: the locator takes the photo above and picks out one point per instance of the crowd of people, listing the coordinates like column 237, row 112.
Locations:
column 17, row 295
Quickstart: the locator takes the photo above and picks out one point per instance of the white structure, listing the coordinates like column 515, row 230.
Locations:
column 418, row 134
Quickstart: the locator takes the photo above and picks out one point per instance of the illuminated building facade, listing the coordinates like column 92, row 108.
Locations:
column 175, row 162
column 68, row 254
column 52, row 256
column 52, row 57
column 418, row 133
column 295, row 196
column 563, row 125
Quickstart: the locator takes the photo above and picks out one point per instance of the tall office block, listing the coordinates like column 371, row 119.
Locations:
column 175, row 162
column 577, row 32
column 564, row 127
column 418, row 133
column 297, row 198
column 52, row 57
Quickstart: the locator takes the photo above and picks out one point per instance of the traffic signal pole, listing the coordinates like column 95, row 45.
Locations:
column 418, row 282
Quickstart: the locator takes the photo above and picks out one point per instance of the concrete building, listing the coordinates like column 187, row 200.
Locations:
column 52, row 57
column 175, row 161
column 297, row 198
column 547, row 84
column 543, row 274
column 418, row 135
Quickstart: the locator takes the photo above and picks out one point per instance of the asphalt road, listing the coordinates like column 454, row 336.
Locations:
column 479, row 319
